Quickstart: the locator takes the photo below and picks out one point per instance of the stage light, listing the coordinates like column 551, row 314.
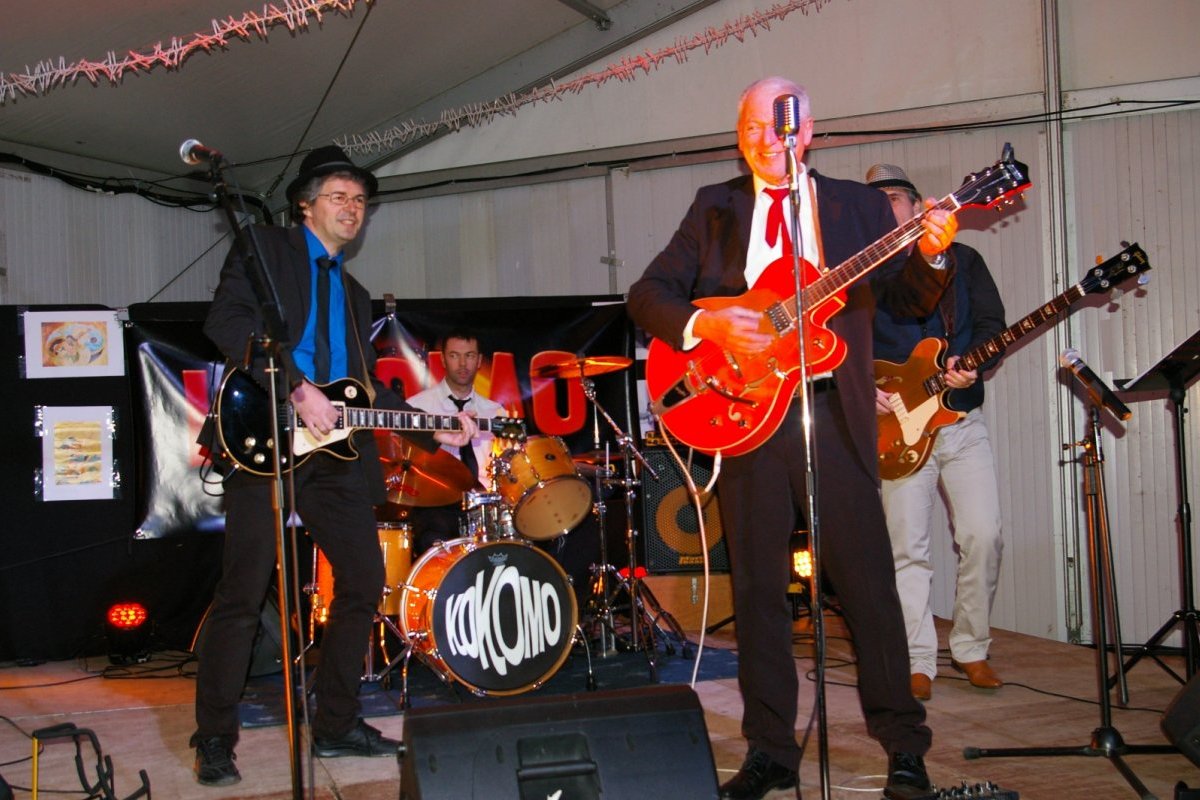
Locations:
column 128, row 632
column 800, row 585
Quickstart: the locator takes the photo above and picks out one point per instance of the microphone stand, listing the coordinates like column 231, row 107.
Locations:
column 273, row 324
column 810, row 474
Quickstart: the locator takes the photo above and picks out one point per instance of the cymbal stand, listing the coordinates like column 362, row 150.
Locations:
column 386, row 625
column 645, row 612
column 599, row 606
column 1106, row 739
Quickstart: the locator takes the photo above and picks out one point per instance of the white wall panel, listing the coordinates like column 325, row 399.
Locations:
column 63, row 245
column 1139, row 176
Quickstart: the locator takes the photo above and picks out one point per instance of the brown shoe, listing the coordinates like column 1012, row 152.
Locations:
column 921, row 686
column 978, row 673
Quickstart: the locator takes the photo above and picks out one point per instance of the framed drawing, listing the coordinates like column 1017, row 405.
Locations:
column 73, row 344
column 77, row 452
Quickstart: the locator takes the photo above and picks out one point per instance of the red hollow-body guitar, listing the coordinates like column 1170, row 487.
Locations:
column 716, row 402
column 918, row 386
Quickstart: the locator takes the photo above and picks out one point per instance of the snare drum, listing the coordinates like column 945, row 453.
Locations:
column 539, row 481
column 395, row 542
column 486, row 517
column 498, row 617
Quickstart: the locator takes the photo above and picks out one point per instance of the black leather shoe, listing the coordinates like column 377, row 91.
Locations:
column 214, row 761
column 759, row 774
column 361, row 740
column 907, row 778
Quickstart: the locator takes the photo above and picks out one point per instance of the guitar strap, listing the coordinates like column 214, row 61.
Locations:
column 368, row 385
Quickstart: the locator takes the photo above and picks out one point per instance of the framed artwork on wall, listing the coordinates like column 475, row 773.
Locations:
column 73, row 344
column 77, row 452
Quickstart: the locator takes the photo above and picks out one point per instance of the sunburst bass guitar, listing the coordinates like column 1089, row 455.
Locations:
column 716, row 402
column 918, row 386
column 244, row 424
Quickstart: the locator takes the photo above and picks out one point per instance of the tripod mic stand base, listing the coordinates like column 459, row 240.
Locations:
column 1106, row 742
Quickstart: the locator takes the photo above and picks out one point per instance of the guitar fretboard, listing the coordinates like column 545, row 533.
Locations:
column 387, row 419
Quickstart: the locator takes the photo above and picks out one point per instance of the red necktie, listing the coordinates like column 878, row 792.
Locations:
column 776, row 224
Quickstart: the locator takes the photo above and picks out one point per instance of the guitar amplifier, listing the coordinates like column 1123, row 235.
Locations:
column 670, row 523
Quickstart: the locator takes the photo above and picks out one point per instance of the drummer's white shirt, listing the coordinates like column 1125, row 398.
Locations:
column 436, row 400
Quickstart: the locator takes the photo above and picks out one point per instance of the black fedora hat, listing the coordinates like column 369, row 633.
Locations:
column 326, row 161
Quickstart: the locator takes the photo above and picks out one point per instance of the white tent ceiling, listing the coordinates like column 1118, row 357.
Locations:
column 264, row 100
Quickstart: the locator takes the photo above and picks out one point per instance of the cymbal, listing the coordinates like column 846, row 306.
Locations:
column 582, row 367
column 415, row 477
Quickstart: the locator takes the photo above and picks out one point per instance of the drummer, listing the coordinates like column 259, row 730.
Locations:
column 462, row 358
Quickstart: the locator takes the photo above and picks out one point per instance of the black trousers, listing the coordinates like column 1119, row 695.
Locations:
column 760, row 493
column 334, row 504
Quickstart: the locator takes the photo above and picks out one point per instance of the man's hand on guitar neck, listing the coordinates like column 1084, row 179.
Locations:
column 733, row 328
column 941, row 226
column 958, row 378
column 316, row 411
column 461, row 437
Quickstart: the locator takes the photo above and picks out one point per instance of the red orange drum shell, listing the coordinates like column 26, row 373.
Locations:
column 498, row 616
column 540, row 482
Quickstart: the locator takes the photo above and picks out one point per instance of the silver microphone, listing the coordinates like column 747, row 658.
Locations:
column 193, row 153
column 787, row 115
column 1097, row 389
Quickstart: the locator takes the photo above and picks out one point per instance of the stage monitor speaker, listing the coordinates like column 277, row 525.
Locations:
column 645, row 742
column 1181, row 720
column 671, row 525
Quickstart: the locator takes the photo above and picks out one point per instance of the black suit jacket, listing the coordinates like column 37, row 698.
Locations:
column 706, row 257
column 235, row 316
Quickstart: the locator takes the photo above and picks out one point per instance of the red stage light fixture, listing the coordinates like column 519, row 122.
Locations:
column 128, row 632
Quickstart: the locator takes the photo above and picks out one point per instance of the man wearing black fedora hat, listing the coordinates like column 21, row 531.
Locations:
column 326, row 315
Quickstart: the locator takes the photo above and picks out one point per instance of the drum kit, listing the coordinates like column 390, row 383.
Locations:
column 490, row 610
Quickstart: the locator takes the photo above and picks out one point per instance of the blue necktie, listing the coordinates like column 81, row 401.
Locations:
column 321, row 355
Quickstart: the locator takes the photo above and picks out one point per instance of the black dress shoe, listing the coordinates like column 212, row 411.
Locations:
column 214, row 760
column 759, row 774
column 907, row 778
column 361, row 740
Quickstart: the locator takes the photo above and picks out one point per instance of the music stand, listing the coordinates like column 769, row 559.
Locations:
column 1175, row 373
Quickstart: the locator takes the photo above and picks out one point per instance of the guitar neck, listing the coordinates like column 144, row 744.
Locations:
column 859, row 264
column 1012, row 334
column 385, row 419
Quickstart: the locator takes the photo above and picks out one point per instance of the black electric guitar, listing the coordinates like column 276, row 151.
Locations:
column 243, row 424
column 919, row 388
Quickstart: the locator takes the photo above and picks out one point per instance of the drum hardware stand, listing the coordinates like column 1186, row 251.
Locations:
column 1175, row 372
column 643, row 623
column 600, row 606
column 1106, row 740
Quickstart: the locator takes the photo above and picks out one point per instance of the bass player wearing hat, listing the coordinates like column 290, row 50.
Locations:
column 334, row 497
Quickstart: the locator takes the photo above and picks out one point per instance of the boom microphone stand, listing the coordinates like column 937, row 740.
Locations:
column 1106, row 739
column 192, row 152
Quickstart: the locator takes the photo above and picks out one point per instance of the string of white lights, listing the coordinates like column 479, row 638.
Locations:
column 52, row 74
column 627, row 69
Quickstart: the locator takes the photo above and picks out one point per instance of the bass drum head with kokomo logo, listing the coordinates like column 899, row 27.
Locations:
column 504, row 618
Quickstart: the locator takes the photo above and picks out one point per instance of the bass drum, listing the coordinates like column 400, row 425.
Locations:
column 499, row 617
